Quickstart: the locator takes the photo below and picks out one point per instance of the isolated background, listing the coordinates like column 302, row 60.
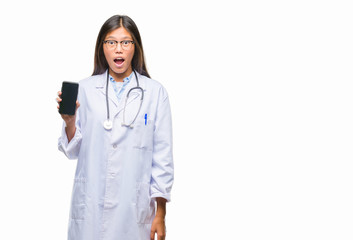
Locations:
column 261, row 96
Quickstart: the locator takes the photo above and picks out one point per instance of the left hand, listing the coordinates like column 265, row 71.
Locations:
column 158, row 226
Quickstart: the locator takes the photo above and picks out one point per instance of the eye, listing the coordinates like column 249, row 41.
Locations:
column 111, row 43
column 126, row 42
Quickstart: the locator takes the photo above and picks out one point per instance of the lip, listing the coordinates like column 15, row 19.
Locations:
column 119, row 61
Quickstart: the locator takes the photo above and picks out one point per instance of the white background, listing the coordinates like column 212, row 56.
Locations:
column 261, row 96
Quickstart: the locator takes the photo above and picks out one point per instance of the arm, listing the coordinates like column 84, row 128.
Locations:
column 162, row 165
column 161, row 207
column 70, row 141
column 162, row 158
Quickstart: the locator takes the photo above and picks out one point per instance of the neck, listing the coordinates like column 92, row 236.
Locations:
column 119, row 77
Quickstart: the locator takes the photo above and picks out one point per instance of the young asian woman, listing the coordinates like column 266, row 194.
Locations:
column 125, row 170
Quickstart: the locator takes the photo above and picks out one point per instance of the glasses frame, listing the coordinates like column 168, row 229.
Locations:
column 121, row 44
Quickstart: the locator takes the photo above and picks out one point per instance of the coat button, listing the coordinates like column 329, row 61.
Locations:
column 115, row 146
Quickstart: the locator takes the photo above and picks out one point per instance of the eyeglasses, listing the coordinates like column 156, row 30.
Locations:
column 125, row 44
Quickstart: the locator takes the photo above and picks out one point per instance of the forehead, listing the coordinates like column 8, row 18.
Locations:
column 119, row 33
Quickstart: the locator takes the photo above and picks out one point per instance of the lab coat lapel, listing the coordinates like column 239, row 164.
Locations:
column 101, row 86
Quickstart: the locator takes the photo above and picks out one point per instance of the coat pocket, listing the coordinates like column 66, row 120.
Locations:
column 143, row 135
column 144, row 206
column 78, row 204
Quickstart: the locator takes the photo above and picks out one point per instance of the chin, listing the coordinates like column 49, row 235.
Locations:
column 119, row 70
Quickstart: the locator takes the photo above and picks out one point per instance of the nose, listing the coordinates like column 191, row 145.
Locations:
column 118, row 48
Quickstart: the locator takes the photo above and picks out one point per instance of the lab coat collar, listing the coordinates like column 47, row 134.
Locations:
column 134, row 95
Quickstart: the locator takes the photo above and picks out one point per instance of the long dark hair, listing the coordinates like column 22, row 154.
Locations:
column 117, row 21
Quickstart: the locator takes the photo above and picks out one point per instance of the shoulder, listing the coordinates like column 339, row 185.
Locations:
column 89, row 85
column 95, row 80
column 153, row 85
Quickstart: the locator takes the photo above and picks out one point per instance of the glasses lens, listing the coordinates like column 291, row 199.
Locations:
column 126, row 45
column 111, row 44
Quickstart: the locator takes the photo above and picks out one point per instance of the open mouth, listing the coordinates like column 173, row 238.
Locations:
column 119, row 61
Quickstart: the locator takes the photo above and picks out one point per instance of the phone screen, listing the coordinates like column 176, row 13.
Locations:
column 69, row 96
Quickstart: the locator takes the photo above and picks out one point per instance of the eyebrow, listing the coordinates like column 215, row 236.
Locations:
column 125, row 37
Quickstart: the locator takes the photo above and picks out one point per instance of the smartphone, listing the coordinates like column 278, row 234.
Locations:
column 69, row 91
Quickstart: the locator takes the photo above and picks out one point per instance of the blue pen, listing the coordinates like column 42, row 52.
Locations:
column 146, row 119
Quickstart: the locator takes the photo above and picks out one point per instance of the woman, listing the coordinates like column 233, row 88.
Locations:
column 123, row 142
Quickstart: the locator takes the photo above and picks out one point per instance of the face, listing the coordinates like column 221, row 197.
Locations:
column 119, row 59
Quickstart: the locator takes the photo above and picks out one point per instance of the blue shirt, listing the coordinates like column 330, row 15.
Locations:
column 119, row 87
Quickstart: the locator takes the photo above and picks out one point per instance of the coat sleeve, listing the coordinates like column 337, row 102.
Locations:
column 162, row 158
column 71, row 149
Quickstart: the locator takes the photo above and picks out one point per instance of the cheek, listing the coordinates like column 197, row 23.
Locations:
column 106, row 54
column 131, row 54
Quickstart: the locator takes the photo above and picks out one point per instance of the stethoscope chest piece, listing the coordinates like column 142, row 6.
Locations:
column 108, row 124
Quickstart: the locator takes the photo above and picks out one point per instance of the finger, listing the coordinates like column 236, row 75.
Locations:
column 59, row 93
column 161, row 237
column 77, row 105
column 58, row 99
column 152, row 235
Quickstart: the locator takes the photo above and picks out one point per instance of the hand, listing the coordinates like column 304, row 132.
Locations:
column 69, row 119
column 158, row 226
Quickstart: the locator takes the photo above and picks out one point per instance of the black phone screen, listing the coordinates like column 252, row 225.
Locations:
column 69, row 91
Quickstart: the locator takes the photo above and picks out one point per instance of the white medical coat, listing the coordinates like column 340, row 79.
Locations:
column 119, row 172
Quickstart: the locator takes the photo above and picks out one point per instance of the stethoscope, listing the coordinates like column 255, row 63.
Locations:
column 108, row 124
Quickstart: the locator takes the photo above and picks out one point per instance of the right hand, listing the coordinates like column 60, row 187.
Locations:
column 69, row 119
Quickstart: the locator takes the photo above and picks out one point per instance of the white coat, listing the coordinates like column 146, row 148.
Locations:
column 119, row 172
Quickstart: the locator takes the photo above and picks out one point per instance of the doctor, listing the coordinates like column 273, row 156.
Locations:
column 121, row 135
